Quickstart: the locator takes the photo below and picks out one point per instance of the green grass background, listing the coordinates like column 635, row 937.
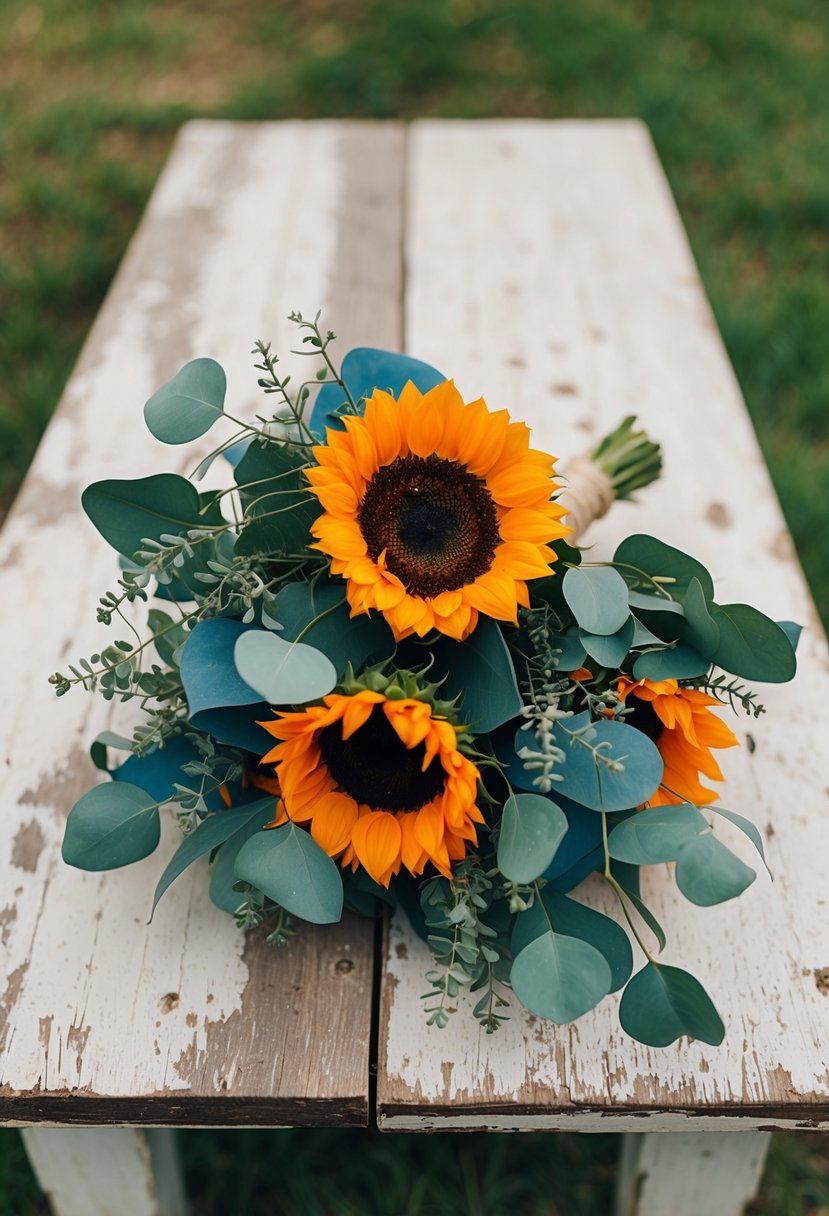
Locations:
column 735, row 94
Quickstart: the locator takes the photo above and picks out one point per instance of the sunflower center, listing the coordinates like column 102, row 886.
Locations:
column 645, row 718
column 375, row 768
column 435, row 520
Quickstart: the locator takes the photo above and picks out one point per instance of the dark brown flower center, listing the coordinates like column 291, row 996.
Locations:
column 376, row 769
column 645, row 718
column 436, row 521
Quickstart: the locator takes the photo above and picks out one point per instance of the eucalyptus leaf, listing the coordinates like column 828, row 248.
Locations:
column 701, row 630
column 319, row 615
column 576, row 920
column 589, row 781
column 709, row 873
column 112, row 825
column 572, row 652
column 658, row 560
column 98, row 748
column 223, row 865
column 480, row 671
column 647, row 602
column 598, row 598
column 647, row 916
column 288, row 866
column 670, row 663
column 127, row 511
column 208, row 671
column 792, row 631
column 364, row 369
column 642, row 636
column 661, row 1004
column 210, row 833
column 283, row 673
column 745, row 825
column 752, row 646
column 609, row 650
column 532, row 828
column 278, row 508
column 172, row 633
column 187, row 406
column 560, row 978
column 656, row 834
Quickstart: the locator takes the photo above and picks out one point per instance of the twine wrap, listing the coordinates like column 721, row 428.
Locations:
column 588, row 494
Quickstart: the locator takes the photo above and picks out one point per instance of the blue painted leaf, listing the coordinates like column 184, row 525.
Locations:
column 583, row 838
column 364, row 369
column 792, row 631
column 187, row 406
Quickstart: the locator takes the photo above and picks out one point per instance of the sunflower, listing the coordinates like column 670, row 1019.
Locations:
column 684, row 729
column 381, row 782
column 435, row 511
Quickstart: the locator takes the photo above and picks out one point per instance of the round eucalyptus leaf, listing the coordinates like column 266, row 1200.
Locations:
column 660, row 1004
column 532, row 828
column 701, row 630
column 187, row 406
column 288, row 866
column 656, row 834
column 112, row 825
column 577, row 920
column 210, row 833
column 560, row 978
column 597, row 596
column 586, row 772
column 670, row 663
column 364, row 369
column 126, row 511
column 655, row 558
column 283, row 673
column 480, row 671
column 223, row 865
column 319, row 615
column 709, row 873
column 752, row 646
column 609, row 650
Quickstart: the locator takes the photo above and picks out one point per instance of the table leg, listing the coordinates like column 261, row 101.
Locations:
column 108, row 1171
column 689, row 1173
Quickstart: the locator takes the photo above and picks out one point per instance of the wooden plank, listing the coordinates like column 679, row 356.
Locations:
column 548, row 270
column 691, row 1173
column 187, row 1021
column 107, row 1171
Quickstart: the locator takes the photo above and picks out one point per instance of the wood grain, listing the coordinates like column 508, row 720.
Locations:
column 548, row 270
column 103, row 1018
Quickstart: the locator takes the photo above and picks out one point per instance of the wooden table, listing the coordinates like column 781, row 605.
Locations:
column 541, row 264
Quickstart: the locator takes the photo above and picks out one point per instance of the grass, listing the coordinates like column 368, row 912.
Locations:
column 91, row 94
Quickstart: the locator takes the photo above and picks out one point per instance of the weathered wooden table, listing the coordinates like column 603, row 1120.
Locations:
column 541, row 264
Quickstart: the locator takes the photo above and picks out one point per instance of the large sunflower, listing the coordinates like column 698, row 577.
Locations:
column 684, row 729
column 381, row 782
column 435, row 510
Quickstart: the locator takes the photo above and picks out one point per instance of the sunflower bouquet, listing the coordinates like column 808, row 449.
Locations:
column 376, row 670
